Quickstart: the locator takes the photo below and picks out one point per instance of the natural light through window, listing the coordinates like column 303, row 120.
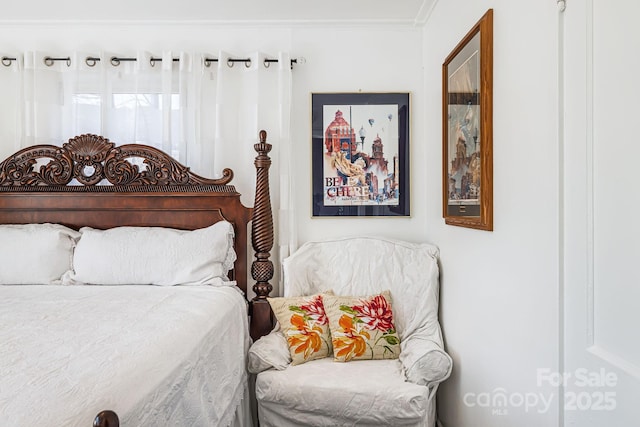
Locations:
column 141, row 118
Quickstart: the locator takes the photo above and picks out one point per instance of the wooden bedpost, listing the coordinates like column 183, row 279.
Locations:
column 262, row 242
column 106, row 419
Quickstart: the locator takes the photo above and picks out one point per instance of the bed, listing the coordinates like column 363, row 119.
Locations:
column 123, row 287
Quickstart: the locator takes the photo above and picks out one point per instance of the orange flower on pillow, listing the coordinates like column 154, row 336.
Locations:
column 305, row 326
column 349, row 341
column 362, row 327
column 304, row 338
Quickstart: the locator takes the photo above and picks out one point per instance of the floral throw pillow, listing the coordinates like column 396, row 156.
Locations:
column 362, row 327
column 305, row 326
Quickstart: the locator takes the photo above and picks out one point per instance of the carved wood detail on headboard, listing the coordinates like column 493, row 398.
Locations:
column 91, row 159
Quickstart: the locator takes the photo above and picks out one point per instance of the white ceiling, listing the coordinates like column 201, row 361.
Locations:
column 223, row 11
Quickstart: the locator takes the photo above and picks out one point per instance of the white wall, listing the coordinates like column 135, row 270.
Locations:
column 499, row 290
column 62, row 38
column 352, row 60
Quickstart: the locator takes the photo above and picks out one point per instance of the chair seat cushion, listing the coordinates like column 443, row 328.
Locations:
column 324, row 392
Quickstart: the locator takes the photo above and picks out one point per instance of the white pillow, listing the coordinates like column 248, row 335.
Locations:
column 35, row 254
column 269, row 351
column 153, row 256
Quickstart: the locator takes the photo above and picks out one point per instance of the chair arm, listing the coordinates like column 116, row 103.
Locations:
column 269, row 351
column 425, row 362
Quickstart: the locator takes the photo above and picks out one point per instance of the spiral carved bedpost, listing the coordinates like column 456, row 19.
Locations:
column 262, row 242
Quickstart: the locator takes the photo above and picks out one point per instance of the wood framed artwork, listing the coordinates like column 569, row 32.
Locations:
column 360, row 154
column 467, row 130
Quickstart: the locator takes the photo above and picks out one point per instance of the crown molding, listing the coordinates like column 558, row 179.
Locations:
column 280, row 24
column 425, row 12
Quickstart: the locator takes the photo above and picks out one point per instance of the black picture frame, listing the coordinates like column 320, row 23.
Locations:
column 360, row 154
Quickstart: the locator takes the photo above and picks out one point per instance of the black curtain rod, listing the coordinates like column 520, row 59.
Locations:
column 115, row 61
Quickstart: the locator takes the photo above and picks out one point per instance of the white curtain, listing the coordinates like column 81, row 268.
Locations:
column 288, row 238
column 206, row 114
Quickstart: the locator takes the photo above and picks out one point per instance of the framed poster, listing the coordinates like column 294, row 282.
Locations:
column 360, row 154
column 467, row 143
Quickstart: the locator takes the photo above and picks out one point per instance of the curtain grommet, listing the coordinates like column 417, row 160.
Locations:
column 115, row 61
column 91, row 61
column 6, row 61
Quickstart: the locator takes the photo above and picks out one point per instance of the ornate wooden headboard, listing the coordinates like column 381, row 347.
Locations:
column 90, row 181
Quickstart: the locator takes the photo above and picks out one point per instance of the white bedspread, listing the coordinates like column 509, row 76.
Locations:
column 158, row 356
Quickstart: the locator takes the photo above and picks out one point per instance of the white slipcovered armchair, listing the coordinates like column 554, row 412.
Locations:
column 322, row 392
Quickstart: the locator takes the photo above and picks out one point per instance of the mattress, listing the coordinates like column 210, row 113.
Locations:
column 155, row 355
